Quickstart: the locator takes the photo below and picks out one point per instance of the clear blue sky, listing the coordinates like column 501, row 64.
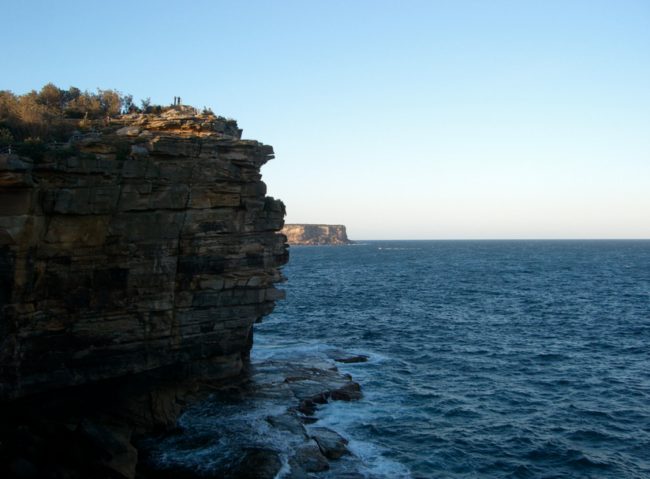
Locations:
column 400, row 119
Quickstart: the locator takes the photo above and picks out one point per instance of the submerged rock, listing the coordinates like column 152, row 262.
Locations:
column 359, row 358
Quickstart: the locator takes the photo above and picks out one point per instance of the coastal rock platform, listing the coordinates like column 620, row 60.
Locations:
column 263, row 427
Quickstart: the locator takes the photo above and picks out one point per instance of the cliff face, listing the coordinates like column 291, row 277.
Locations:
column 148, row 245
column 306, row 234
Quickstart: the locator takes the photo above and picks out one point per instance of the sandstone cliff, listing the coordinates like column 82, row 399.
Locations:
column 308, row 234
column 148, row 244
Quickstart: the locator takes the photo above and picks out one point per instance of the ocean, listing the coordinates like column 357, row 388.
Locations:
column 494, row 359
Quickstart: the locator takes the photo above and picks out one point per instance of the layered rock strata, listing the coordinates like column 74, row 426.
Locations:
column 312, row 234
column 149, row 244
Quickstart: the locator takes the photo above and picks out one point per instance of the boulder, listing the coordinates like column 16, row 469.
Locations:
column 288, row 422
column 257, row 463
column 111, row 445
column 350, row 359
column 309, row 458
column 331, row 443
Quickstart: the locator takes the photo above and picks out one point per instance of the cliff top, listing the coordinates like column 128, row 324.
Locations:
column 57, row 115
column 180, row 120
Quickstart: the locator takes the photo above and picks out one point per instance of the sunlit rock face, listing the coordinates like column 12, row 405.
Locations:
column 308, row 234
column 149, row 243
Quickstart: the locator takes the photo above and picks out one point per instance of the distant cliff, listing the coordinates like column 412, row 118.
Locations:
column 146, row 243
column 311, row 234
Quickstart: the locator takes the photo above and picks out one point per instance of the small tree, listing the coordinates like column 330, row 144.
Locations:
column 33, row 116
column 8, row 107
column 146, row 104
column 52, row 98
column 85, row 105
column 127, row 103
column 71, row 94
column 6, row 138
column 110, row 101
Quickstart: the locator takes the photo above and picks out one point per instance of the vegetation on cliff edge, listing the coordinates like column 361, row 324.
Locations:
column 53, row 113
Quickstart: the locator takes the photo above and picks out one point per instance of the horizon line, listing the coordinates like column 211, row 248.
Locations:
column 502, row 239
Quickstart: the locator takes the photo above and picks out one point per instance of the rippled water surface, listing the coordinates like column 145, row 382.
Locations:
column 488, row 359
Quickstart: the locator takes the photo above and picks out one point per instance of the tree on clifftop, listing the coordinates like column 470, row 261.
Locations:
column 47, row 115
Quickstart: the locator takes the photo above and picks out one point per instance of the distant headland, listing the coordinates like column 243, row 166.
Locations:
column 315, row 234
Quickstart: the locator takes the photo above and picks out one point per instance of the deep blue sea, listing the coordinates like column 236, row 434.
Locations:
column 487, row 358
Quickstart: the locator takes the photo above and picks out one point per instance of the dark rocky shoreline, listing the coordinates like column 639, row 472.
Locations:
column 103, row 432
column 292, row 392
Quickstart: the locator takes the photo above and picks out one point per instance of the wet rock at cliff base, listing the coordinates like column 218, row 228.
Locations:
column 297, row 472
column 348, row 392
column 307, row 407
column 331, row 444
column 263, row 413
column 112, row 446
column 311, row 386
column 315, row 383
column 309, row 458
column 351, row 359
column 342, row 356
column 289, row 422
column 257, row 464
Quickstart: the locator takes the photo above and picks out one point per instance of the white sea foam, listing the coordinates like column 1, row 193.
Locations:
column 376, row 463
column 344, row 417
column 266, row 348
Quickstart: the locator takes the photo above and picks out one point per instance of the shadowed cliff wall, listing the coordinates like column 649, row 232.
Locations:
column 148, row 244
